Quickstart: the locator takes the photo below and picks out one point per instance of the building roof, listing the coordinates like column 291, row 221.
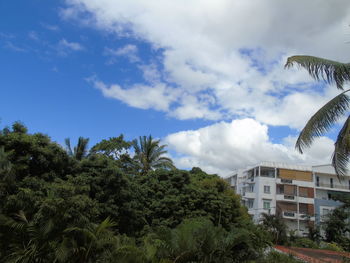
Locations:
column 286, row 166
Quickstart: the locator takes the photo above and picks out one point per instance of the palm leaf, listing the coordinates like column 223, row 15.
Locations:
column 80, row 150
column 322, row 120
column 68, row 146
column 320, row 68
column 341, row 153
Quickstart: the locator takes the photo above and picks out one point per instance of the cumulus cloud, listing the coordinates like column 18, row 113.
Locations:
column 232, row 50
column 223, row 60
column 140, row 96
column 225, row 146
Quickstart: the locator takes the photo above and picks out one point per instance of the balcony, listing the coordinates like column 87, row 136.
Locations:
column 289, row 214
column 295, row 215
column 342, row 187
column 305, row 216
column 283, row 197
column 286, row 181
column 248, row 195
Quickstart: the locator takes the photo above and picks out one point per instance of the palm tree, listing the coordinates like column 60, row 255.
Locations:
column 5, row 164
column 28, row 242
column 79, row 151
column 87, row 244
column 323, row 120
column 148, row 155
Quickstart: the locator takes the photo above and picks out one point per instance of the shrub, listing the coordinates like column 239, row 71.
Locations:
column 331, row 246
column 277, row 257
column 305, row 242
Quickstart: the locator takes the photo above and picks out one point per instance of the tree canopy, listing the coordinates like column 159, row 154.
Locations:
column 98, row 206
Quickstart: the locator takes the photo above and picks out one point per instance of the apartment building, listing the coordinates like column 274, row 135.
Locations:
column 327, row 185
column 301, row 195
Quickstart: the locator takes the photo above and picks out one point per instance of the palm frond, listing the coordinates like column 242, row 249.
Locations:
column 340, row 159
column 320, row 68
column 105, row 224
column 323, row 120
column 68, row 146
column 80, row 150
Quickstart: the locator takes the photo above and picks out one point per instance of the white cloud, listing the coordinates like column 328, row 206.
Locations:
column 33, row 35
column 225, row 146
column 14, row 47
column 50, row 27
column 223, row 60
column 72, row 46
column 232, row 50
column 140, row 96
column 128, row 51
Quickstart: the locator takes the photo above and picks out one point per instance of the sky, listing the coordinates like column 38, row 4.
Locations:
column 205, row 77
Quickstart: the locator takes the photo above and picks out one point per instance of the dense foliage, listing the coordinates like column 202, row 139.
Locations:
column 105, row 205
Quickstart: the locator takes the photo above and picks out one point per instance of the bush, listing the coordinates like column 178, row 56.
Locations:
column 305, row 242
column 277, row 257
column 331, row 246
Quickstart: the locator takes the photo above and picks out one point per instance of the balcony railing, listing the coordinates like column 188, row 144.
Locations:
column 289, row 197
column 335, row 186
column 289, row 214
column 300, row 216
column 286, row 181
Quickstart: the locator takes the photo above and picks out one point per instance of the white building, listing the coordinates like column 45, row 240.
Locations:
column 299, row 194
column 327, row 185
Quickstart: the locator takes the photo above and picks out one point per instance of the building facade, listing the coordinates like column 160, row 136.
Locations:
column 301, row 195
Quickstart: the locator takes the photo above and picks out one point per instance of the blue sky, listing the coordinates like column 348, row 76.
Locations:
column 208, row 82
column 45, row 85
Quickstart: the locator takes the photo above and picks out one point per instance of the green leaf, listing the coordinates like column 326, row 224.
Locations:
column 320, row 68
column 322, row 120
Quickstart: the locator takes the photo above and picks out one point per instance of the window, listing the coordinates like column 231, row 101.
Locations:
column 317, row 181
column 250, row 203
column 280, row 189
column 266, row 189
column 331, row 181
column 251, row 189
column 267, row 204
column 325, row 211
column 267, row 172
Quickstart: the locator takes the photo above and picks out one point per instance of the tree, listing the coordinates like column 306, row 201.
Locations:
column 87, row 244
column 323, row 120
column 79, row 151
column 33, row 155
column 5, row 164
column 27, row 242
column 276, row 227
column 113, row 147
column 149, row 155
column 337, row 223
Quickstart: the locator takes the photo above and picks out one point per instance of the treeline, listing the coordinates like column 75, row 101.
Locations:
column 106, row 205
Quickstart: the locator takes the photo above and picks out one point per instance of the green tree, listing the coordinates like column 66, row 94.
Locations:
column 323, row 120
column 168, row 197
column 5, row 164
column 198, row 240
column 80, row 151
column 275, row 225
column 33, row 155
column 87, row 244
column 113, row 147
column 337, row 227
column 26, row 241
column 149, row 155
